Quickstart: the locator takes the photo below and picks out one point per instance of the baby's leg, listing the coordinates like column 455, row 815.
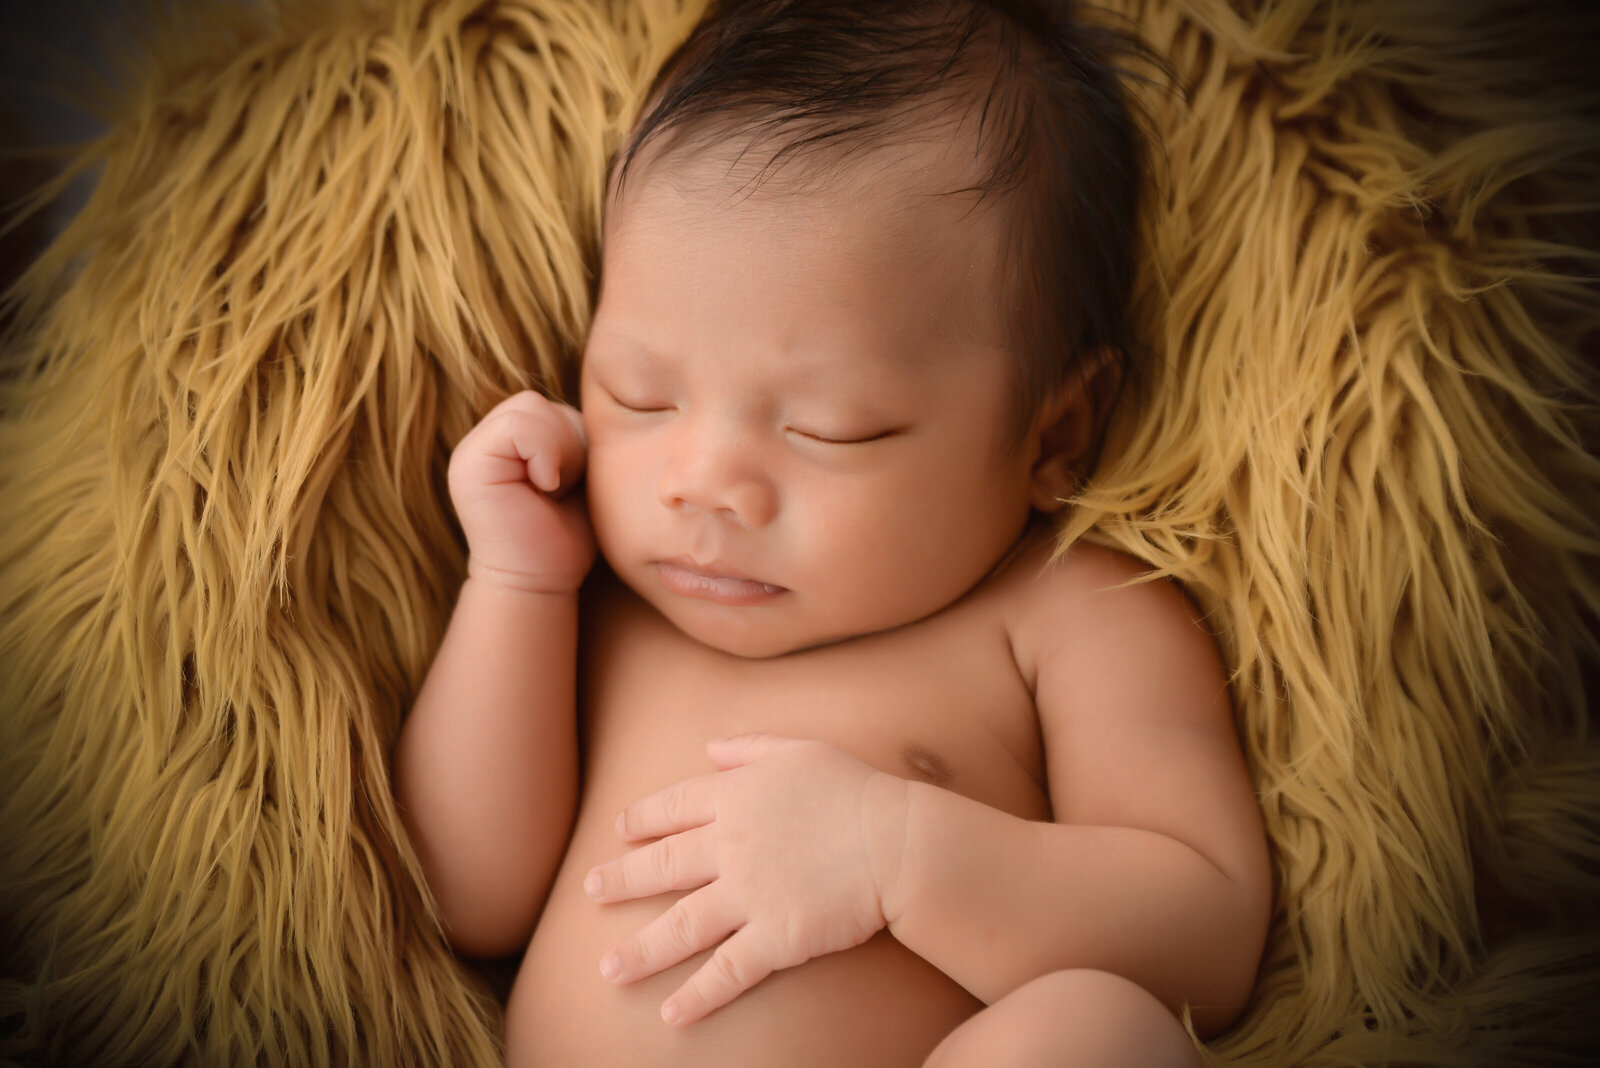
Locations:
column 1083, row 1018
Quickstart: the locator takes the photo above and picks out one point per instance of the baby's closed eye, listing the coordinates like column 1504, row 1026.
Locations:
column 845, row 437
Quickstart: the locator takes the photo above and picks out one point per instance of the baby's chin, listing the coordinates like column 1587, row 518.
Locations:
column 761, row 632
column 754, row 639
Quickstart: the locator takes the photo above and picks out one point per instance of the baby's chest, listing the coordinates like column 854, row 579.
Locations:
column 940, row 701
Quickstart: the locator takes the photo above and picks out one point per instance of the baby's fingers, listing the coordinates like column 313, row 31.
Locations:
column 678, row 862
column 549, row 438
column 690, row 803
column 525, row 436
column 692, row 924
column 573, row 448
column 736, row 966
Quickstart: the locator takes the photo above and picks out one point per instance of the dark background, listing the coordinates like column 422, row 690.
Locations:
column 48, row 49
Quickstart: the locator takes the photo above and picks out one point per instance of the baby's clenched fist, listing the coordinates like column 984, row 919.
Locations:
column 511, row 480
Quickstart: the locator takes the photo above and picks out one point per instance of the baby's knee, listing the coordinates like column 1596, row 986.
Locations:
column 1078, row 1017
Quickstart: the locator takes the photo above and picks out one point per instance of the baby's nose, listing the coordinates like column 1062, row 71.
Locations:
column 724, row 482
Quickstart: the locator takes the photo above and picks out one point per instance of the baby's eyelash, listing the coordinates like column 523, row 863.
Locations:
column 640, row 409
column 879, row 436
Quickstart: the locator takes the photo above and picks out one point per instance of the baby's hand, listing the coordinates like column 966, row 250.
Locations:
column 788, row 849
column 511, row 479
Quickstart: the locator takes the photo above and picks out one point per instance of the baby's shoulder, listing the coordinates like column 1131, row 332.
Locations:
column 1039, row 581
column 1094, row 610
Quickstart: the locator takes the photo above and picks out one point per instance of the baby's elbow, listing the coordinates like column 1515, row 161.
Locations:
column 1239, row 939
column 484, row 945
column 486, row 898
column 486, row 917
column 486, row 931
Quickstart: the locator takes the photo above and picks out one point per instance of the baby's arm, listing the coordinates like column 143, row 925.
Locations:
column 486, row 769
column 1155, row 867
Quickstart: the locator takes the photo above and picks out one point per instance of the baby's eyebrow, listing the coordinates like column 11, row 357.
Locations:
column 626, row 343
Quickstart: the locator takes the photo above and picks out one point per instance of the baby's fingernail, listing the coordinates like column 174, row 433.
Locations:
column 592, row 884
column 671, row 1013
column 622, row 823
column 610, row 967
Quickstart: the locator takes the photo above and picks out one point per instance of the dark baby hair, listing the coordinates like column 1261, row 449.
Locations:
column 1058, row 140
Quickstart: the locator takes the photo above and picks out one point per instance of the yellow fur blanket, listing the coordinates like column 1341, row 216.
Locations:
column 324, row 236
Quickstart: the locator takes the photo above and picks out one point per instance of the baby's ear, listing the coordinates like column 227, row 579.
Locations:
column 1064, row 432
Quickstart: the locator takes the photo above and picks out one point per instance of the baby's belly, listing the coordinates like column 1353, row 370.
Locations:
column 941, row 699
column 877, row 1004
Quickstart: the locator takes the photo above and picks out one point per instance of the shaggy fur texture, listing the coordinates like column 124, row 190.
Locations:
column 326, row 236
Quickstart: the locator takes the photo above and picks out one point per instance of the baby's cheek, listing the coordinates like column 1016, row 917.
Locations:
column 876, row 573
column 607, row 499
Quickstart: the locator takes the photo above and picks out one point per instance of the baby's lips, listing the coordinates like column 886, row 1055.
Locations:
column 717, row 585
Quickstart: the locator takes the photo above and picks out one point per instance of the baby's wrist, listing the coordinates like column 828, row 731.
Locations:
column 888, row 802
column 522, row 582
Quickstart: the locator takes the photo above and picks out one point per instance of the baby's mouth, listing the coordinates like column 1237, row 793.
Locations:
column 713, row 582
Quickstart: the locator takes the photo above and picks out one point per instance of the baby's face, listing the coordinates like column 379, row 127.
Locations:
column 798, row 408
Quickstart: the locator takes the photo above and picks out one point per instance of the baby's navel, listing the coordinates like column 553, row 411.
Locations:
column 926, row 765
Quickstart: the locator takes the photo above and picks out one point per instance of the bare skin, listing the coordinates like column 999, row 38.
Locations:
column 942, row 702
column 858, row 758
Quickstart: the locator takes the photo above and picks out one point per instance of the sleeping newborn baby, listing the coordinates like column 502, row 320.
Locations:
column 833, row 760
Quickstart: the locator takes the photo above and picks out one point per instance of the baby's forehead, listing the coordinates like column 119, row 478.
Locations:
column 902, row 184
column 886, row 247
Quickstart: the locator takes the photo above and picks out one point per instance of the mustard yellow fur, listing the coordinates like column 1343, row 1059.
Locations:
column 325, row 236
